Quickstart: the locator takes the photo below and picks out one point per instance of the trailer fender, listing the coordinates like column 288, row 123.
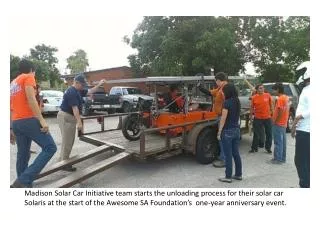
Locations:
column 193, row 134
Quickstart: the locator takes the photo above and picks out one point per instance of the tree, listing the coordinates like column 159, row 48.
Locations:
column 45, row 64
column 44, row 53
column 277, row 44
column 182, row 45
column 14, row 67
column 185, row 45
column 78, row 62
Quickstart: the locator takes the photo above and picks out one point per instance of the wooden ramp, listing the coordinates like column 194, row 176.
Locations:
column 76, row 159
column 90, row 171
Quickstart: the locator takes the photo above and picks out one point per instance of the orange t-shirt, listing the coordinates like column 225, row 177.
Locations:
column 219, row 99
column 18, row 99
column 179, row 100
column 261, row 105
column 282, row 103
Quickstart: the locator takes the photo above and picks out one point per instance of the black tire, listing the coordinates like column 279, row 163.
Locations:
column 206, row 146
column 126, row 107
column 131, row 127
column 290, row 121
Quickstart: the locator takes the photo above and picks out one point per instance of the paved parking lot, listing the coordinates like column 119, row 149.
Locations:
column 179, row 171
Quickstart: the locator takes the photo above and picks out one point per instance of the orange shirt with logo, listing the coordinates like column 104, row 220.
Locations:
column 19, row 106
column 260, row 104
column 282, row 103
column 219, row 99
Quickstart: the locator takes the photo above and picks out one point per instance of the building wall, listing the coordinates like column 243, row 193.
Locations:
column 94, row 77
column 112, row 74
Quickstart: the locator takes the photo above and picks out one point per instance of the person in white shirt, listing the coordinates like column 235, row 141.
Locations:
column 301, row 128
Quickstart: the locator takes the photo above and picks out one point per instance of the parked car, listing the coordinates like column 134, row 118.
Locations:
column 51, row 101
column 290, row 89
column 121, row 99
column 293, row 92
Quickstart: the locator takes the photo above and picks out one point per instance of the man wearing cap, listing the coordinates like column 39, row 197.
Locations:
column 69, row 115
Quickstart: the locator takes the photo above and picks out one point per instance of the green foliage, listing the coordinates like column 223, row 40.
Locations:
column 45, row 54
column 273, row 41
column 44, row 60
column 78, row 62
column 277, row 73
column 186, row 45
column 14, row 67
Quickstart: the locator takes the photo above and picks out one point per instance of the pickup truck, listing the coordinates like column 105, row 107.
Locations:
column 290, row 89
column 121, row 99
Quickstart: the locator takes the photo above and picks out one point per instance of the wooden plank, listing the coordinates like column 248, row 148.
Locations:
column 86, row 173
column 98, row 142
column 76, row 159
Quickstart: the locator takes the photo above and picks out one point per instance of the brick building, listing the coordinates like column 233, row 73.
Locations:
column 124, row 72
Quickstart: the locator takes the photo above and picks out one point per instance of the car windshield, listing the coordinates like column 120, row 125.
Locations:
column 127, row 91
column 287, row 90
column 52, row 94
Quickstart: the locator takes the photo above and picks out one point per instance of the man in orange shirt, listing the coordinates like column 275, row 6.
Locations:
column 27, row 125
column 261, row 107
column 217, row 104
column 280, row 119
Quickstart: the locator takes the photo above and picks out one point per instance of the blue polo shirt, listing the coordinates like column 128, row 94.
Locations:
column 72, row 97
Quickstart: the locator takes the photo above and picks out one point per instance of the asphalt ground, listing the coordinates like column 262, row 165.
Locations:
column 181, row 171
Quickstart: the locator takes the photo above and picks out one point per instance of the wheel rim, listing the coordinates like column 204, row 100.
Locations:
column 133, row 127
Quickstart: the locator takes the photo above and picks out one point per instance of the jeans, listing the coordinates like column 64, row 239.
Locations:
column 302, row 158
column 280, row 143
column 230, row 139
column 26, row 131
column 261, row 126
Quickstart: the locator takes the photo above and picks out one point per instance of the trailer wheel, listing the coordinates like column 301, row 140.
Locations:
column 131, row 127
column 206, row 145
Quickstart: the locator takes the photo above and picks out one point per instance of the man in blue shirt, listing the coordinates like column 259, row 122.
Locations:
column 69, row 115
column 301, row 128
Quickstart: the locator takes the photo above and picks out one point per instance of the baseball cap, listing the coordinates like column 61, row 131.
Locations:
column 81, row 79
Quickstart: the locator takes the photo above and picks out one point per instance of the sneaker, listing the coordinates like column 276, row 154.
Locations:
column 18, row 184
column 253, row 150
column 69, row 169
column 227, row 180
column 268, row 151
column 273, row 161
column 218, row 164
column 237, row 177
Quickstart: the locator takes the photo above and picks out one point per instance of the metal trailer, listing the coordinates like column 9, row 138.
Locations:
column 199, row 141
